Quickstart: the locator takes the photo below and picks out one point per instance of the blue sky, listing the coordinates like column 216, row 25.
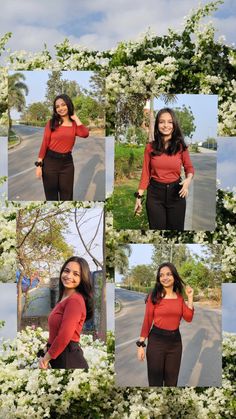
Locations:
column 100, row 24
column 88, row 224
column 226, row 158
column 142, row 255
column 204, row 109
column 8, row 310
column 228, row 308
column 37, row 83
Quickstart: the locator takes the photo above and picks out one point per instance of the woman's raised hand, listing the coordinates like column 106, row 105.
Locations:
column 189, row 291
column 140, row 353
column 75, row 118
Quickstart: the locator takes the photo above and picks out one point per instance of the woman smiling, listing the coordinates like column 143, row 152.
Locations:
column 75, row 305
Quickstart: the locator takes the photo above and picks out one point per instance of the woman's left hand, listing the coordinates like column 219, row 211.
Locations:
column 184, row 190
column 189, row 291
column 43, row 364
column 75, row 118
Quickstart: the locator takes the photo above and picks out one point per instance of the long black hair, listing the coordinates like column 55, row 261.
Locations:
column 56, row 119
column 176, row 143
column 158, row 291
column 85, row 285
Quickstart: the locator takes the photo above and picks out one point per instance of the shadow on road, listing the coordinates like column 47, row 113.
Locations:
column 90, row 183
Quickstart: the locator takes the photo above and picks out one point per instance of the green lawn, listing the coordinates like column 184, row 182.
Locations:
column 123, row 206
column 128, row 159
column 13, row 138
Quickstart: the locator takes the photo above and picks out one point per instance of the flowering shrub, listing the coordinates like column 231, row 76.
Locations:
column 179, row 62
column 34, row 393
column 7, row 244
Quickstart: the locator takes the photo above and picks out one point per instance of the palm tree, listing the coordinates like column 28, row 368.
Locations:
column 17, row 90
column 122, row 258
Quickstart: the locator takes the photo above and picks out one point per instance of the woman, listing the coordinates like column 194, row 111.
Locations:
column 163, row 159
column 165, row 308
column 75, row 305
column 55, row 162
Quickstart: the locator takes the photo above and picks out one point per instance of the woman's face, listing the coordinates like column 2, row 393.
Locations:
column 71, row 276
column 166, row 278
column 165, row 124
column 61, row 108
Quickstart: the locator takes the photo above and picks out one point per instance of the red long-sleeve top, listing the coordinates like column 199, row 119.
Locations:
column 164, row 168
column 65, row 323
column 62, row 139
column 166, row 314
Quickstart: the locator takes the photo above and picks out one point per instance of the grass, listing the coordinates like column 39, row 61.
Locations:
column 128, row 159
column 123, row 206
column 13, row 138
column 3, row 131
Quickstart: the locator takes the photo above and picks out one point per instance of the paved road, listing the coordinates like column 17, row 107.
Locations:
column 201, row 203
column 89, row 160
column 201, row 359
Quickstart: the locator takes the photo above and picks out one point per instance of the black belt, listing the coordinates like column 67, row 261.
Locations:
column 164, row 332
column 154, row 183
column 72, row 346
column 56, row 155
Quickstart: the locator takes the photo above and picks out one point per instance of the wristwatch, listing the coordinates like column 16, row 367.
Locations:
column 140, row 343
column 38, row 163
column 136, row 194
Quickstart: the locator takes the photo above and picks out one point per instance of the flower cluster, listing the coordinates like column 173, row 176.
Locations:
column 30, row 392
column 179, row 62
column 7, row 245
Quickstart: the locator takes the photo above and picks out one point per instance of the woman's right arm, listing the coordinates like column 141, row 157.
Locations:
column 147, row 323
column 145, row 179
column 141, row 350
column 43, row 149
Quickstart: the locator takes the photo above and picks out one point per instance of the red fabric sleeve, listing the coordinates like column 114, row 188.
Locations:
column 71, row 317
column 187, row 163
column 81, row 131
column 46, row 141
column 187, row 312
column 146, row 171
column 148, row 318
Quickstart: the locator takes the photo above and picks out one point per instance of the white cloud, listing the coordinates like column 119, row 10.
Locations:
column 98, row 24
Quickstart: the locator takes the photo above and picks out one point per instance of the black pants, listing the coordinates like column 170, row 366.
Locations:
column 165, row 208
column 164, row 351
column 71, row 358
column 58, row 176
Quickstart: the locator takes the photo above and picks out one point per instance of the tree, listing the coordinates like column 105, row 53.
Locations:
column 122, row 255
column 54, row 87
column 185, row 118
column 174, row 253
column 210, row 142
column 141, row 276
column 89, row 245
column 197, row 275
column 36, row 112
column 17, row 90
column 87, row 108
column 41, row 245
column 70, row 88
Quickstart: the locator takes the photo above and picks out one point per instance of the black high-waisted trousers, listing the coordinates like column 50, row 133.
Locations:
column 71, row 358
column 164, row 351
column 58, row 176
column 165, row 208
